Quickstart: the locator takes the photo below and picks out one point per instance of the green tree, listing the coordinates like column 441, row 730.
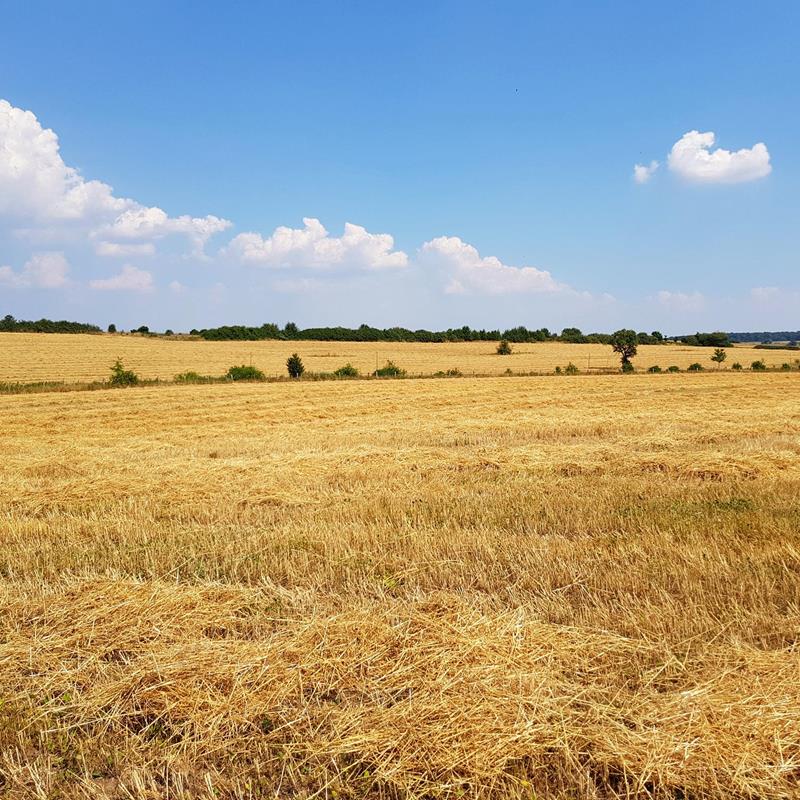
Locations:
column 121, row 376
column 112, row 328
column 624, row 342
column 504, row 348
column 719, row 356
column 294, row 366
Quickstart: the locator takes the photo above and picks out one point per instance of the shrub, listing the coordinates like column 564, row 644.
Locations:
column 736, row 365
column 347, row 371
column 654, row 368
column 627, row 366
column 786, row 367
column 571, row 369
column 245, row 373
column 121, row 376
column 112, row 328
column 389, row 370
column 169, row 332
column 558, row 371
column 294, row 366
column 673, row 368
column 508, row 371
column 696, row 367
column 192, row 377
column 504, row 348
column 451, row 373
column 719, row 356
column 758, row 366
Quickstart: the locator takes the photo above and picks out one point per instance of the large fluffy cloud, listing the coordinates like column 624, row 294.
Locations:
column 312, row 247
column 37, row 187
column 466, row 271
column 129, row 279
column 41, row 271
column 692, row 158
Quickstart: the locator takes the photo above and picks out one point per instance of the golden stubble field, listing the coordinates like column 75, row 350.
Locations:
column 26, row 357
column 578, row 587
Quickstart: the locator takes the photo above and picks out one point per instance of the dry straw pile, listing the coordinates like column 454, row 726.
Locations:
column 527, row 588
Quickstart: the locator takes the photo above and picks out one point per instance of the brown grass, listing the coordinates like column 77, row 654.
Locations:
column 26, row 357
column 573, row 588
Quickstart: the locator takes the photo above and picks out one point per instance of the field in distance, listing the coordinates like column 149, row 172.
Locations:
column 27, row 357
column 494, row 588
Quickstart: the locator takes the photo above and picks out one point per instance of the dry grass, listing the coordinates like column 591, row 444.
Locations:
column 28, row 357
column 573, row 588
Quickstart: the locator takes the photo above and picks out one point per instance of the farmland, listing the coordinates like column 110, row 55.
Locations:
column 71, row 358
column 501, row 587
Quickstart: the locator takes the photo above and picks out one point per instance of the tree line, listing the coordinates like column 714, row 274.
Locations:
column 10, row 325
column 366, row 333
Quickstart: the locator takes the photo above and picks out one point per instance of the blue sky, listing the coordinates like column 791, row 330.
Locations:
column 485, row 155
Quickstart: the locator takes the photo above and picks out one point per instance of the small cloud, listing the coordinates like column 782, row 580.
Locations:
column 129, row 279
column 177, row 287
column 680, row 301
column 643, row 172
column 312, row 247
column 117, row 250
column 466, row 271
column 764, row 294
column 692, row 158
column 41, row 271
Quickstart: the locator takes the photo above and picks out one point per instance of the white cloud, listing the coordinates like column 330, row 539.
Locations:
column 692, row 158
column 176, row 286
column 116, row 249
column 41, row 271
column 129, row 279
column 36, row 185
column 643, row 172
column 312, row 247
column 764, row 294
column 680, row 301
column 466, row 271
column 138, row 224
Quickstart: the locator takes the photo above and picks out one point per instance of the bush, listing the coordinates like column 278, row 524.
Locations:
column 504, row 348
column 451, row 373
column 571, row 369
column 758, row 366
column 696, row 367
column 347, row 371
column 673, row 368
column 245, row 373
column 786, row 367
column 389, row 370
column 121, row 376
column 294, row 366
column 736, row 365
column 654, row 368
column 558, row 371
column 112, row 328
column 192, row 377
column 627, row 366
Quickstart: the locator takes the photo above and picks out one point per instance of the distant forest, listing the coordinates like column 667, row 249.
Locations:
column 766, row 337
column 10, row 325
column 366, row 333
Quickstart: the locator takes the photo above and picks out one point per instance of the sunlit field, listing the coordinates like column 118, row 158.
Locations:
column 570, row 587
column 60, row 357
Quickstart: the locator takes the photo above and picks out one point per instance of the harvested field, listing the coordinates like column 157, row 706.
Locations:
column 580, row 587
column 61, row 357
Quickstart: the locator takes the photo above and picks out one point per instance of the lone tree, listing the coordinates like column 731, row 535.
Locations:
column 504, row 348
column 719, row 356
column 294, row 366
column 624, row 343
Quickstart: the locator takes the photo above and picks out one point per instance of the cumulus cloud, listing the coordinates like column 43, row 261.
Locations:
column 37, row 186
column 466, row 271
column 692, row 158
column 312, row 247
column 129, row 279
column 148, row 224
column 643, row 172
column 41, row 271
column 680, row 301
